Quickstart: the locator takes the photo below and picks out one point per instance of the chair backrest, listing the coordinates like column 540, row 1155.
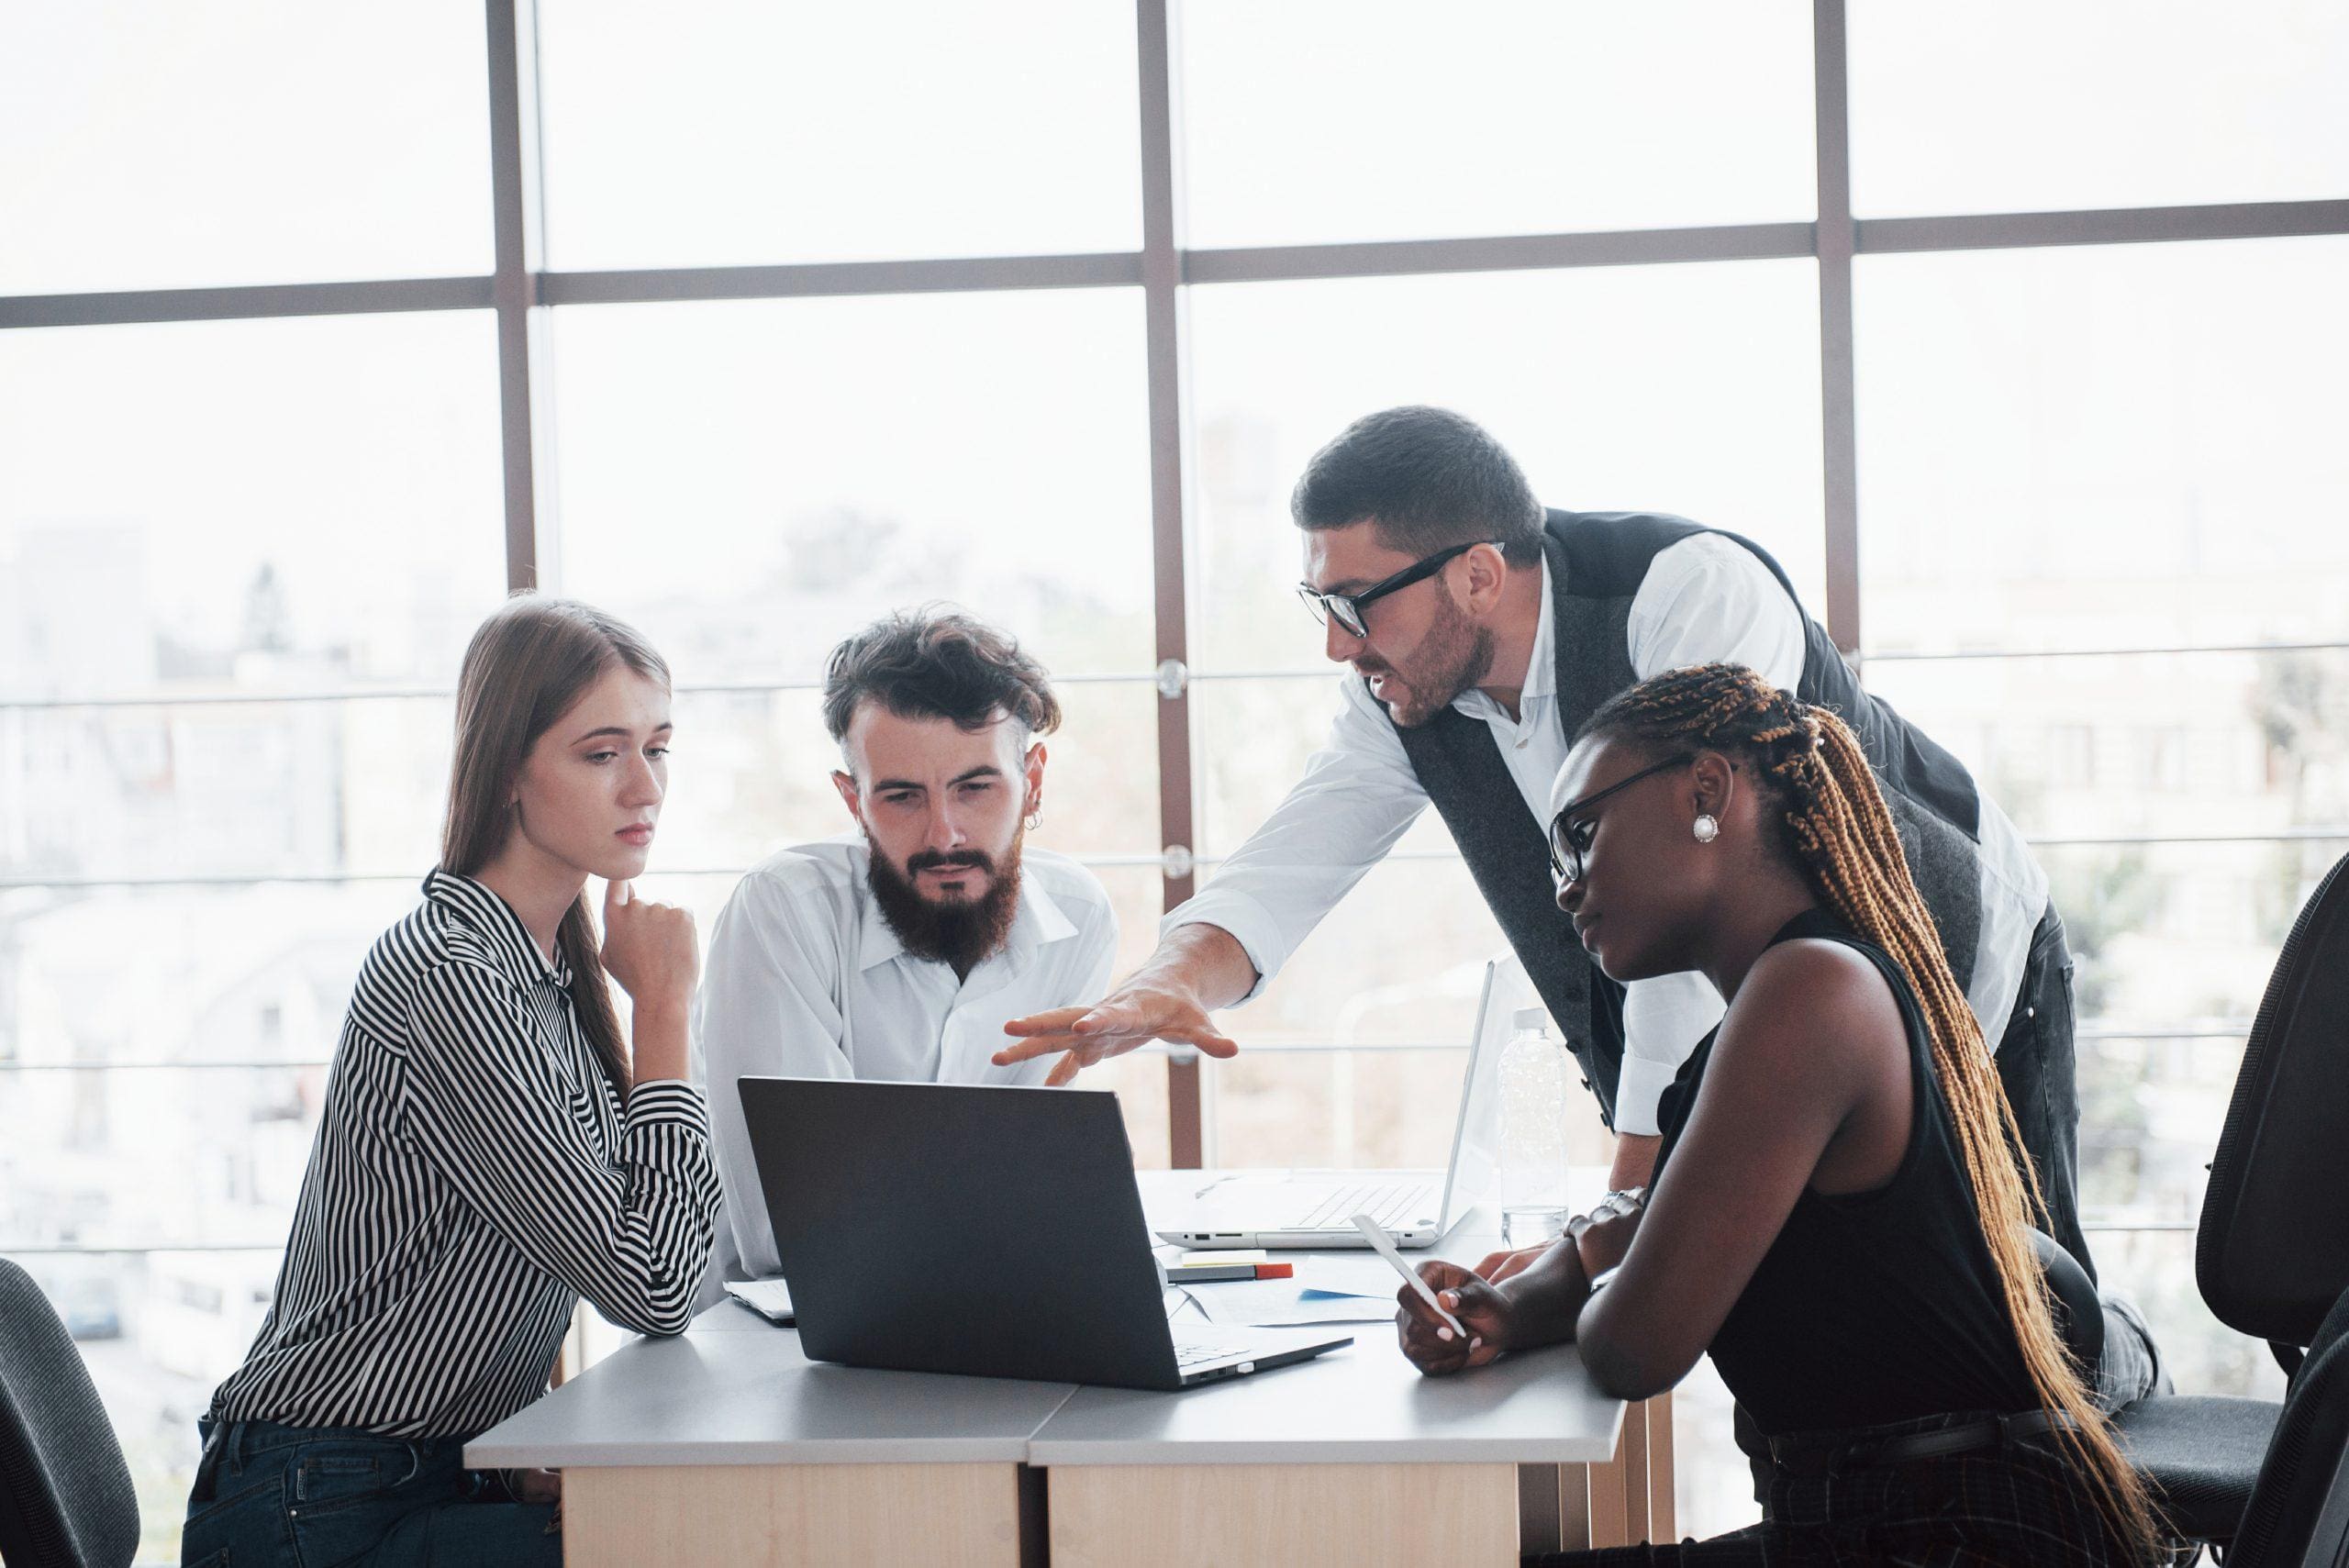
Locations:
column 2298, row 1511
column 2271, row 1252
column 65, row 1494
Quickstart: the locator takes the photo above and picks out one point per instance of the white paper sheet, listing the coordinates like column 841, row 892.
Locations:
column 1283, row 1304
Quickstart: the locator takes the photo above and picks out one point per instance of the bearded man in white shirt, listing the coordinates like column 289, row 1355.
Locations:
column 1480, row 631
column 899, row 950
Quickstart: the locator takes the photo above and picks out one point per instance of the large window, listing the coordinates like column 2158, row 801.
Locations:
column 320, row 328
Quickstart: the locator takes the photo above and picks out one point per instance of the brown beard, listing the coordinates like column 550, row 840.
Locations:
column 960, row 934
column 1456, row 655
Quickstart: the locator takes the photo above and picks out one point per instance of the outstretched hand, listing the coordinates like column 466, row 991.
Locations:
column 1133, row 1015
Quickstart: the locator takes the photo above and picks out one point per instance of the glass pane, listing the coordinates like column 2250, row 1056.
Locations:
column 1341, row 121
column 729, row 131
column 751, row 482
column 2179, row 937
column 2150, row 1115
column 1687, row 389
column 2142, row 743
column 1359, row 1109
column 1254, row 736
column 146, row 146
column 2109, row 447
column 291, row 505
column 259, row 973
column 224, row 789
column 116, row 1158
column 158, row 1332
column 2024, row 105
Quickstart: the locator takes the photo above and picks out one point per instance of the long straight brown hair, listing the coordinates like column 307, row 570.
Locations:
column 525, row 666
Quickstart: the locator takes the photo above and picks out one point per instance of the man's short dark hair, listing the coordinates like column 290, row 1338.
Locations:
column 1428, row 478
column 935, row 663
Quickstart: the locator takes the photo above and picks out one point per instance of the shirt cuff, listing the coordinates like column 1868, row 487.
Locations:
column 664, row 1140
column 1242, row 918
column 670, row 1100
column 1638, row 1092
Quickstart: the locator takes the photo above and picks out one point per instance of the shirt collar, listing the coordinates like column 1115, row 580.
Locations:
column 1038, row 921
column 493, row 920
column 1542, row 670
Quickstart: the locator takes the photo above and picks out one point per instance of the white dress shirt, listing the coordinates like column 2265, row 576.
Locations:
column 804, row 979
column 1704, row 600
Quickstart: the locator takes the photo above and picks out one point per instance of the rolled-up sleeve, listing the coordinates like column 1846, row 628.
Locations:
column 1663, row 1020
column 491, row 1111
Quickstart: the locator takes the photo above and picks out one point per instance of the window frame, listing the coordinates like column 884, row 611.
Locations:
column 522, row 291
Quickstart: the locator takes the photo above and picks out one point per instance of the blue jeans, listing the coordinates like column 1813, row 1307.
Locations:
column 272, row 1496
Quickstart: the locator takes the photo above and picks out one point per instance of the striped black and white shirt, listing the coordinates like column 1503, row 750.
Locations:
column 474, row 1176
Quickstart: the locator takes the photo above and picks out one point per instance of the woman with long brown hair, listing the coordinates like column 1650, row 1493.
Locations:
column 1837, row 1216
column 492, row 1148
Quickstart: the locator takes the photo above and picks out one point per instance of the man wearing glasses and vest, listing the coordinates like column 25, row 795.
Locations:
column 1482, row 630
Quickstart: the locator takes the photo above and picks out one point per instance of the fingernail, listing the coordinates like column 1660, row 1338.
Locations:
column 1443, row 1333
column 1477, row 1341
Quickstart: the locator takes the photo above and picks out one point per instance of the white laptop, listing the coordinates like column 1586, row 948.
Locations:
column 1316, row 1208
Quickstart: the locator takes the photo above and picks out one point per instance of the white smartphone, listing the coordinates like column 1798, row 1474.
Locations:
column 1377, row 1237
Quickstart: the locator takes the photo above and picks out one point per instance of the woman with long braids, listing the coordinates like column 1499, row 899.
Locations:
column 493, row 1147
column 1837, row 1216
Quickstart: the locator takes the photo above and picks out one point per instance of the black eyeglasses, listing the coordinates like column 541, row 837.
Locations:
column 1346, row 608
column 1570, row 840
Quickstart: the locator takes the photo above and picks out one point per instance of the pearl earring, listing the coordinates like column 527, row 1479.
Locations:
column 1708, row 828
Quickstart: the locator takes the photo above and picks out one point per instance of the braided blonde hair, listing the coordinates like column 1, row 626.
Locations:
column 1837, row 832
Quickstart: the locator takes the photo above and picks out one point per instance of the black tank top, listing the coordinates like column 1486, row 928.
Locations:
column 1872, row 1307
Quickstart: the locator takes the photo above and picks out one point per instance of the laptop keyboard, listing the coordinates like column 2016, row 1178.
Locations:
column 1189, row 1354
column 1391, row 1205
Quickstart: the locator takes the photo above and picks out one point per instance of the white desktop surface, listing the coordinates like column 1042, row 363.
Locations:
column 718, row 1397
column 1362, row 1405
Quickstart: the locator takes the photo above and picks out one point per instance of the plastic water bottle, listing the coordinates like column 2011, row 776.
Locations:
column 1534, row 1132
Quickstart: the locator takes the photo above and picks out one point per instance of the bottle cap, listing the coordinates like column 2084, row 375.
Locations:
column 1529, row 1018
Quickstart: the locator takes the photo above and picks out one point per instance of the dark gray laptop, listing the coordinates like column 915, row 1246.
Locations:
column 978, row 1229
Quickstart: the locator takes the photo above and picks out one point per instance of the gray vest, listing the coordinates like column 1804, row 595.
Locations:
column 1597, row 562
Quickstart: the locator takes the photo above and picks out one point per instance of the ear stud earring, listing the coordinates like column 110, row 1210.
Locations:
column 1708, row 828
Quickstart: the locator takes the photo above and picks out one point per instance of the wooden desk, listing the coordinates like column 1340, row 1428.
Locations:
column 1350, row 1459
column 727, row 1445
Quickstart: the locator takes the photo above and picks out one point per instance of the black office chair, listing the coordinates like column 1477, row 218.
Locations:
column 2272, row 1249
column 65, row 1496
column 2299, row 1512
